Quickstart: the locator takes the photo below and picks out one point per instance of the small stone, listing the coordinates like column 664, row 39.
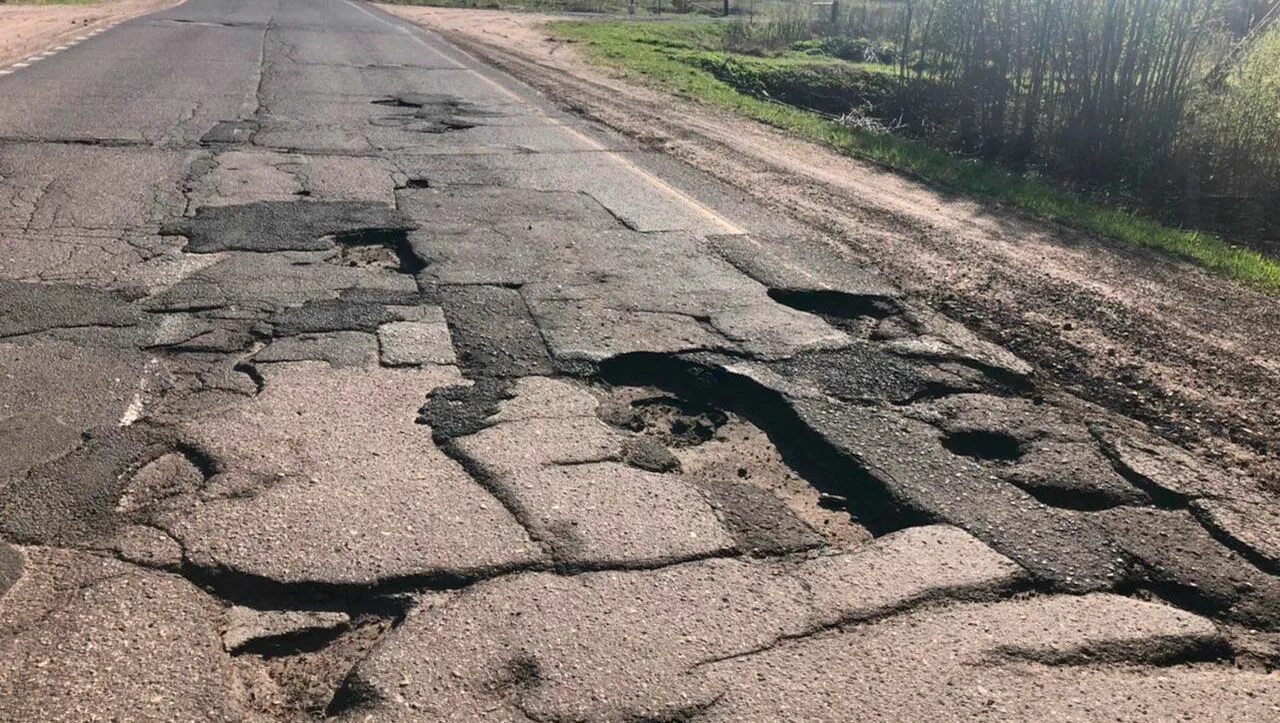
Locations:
column 648, row 454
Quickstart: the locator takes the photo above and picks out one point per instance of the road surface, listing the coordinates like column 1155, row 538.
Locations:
column 344, row 376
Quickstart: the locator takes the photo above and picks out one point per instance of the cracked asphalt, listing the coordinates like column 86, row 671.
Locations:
column 346, row 377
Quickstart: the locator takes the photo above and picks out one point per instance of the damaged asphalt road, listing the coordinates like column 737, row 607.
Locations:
column 345, row 377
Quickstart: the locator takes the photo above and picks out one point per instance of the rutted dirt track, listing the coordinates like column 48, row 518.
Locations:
column 345, row 377
column 1196, row 357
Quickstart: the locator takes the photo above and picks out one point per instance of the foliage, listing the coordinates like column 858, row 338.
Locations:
column 682, row 57
column 1095, row 88
column 857, row 50
column 1115, row 97
column 1227, row 169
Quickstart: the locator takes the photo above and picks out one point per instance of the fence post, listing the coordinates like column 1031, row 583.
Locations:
column 726, row 8
column 835, row 12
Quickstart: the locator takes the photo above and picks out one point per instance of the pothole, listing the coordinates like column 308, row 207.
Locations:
column 300, row 225
column 376, row 248
column 184, row 470
column 854, row 313
column 276, row 633
column 296, row 678
column 431, row 113
column 983, row 444
column 673, row 421
column 809, row 455
column 836, row 303
column 366, row 256
column 767, row 506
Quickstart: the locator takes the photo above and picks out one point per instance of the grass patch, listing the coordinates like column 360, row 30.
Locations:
column 819, row 83
column 688, row 58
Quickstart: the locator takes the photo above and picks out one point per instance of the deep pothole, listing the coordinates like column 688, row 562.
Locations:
column 811, row 456
column 836, row 303
column 674, row 421
column 983, row 444
column 386, row 249
column 860, row 315
column 767, row 506
column 302, row 674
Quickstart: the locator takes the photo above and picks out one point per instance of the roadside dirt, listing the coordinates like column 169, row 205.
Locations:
column 1194, row 356
column 29, row 29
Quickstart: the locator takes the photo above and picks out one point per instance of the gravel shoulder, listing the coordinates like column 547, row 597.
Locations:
column 1194, row 356
column 29, row 29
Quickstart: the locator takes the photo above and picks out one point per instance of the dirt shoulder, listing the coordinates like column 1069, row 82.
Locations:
column 29, row 29
column 1194, row 356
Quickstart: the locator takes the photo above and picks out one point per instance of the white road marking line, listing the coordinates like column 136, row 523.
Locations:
column 729, row 227
column 26, row 62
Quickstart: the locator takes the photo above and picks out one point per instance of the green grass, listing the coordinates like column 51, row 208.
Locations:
column 677, row 55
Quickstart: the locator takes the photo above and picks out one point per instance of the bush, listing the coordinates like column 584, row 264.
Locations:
column 1226, row 171
column 857, row 50
column 1110, row 98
